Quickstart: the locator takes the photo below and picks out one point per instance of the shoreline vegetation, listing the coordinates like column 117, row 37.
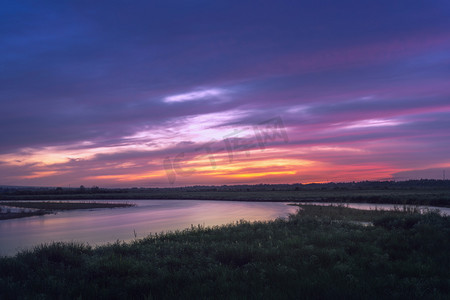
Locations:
column 318, row 253
column 412, row 192
column 43, row 208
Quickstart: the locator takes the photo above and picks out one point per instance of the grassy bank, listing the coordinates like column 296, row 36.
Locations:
column 42, row 208
column 22, row 214
column 64, row 205
column 403, row 256
column 413, row 197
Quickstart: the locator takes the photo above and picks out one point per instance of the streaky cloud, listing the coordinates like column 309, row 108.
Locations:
column 196, row 95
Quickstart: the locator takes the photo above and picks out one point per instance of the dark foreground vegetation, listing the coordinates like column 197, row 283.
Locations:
column 42, row 208
column 415, row 192
column 316, row 254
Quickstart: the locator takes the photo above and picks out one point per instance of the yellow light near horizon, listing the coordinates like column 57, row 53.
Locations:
column 259, row 174
column 263, row 163
column 255, row 168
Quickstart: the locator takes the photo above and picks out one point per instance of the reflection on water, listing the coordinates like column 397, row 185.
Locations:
column 100, row 226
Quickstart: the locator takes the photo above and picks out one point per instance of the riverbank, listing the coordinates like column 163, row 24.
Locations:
column 404, row 255
column 425, row 197
column 400, row 197
column 43, row 208
column 22, row 214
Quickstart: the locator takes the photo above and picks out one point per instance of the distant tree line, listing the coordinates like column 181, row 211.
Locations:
column 423, row 184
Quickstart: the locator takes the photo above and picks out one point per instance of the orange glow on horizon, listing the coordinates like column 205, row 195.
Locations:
column 316, row 164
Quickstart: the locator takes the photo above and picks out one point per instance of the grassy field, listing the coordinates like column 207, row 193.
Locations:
column 315, row 254
column 42, row 208
column 421, row 197
column 21, row 214
column 64, row 205
column 415, row 192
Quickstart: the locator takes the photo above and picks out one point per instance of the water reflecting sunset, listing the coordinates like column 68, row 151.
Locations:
column 101, row 226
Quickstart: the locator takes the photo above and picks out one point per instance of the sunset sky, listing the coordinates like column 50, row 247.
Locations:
column 175, row 93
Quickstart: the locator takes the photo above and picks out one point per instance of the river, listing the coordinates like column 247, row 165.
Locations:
column 102, row 226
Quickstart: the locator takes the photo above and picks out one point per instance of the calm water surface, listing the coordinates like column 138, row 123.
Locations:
column 101, row 226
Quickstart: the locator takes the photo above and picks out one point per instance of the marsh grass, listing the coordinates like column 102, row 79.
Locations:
column 417, row 196
column 308, row 256
column 40, row 208
column 63, row 205
column 344, row 213
column 21, row 214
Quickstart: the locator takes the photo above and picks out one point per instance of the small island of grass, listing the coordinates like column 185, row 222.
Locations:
column 47, row 207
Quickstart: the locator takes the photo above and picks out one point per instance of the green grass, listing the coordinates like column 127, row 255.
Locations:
column 64, row 205
column 51, row 207
column 414, row 197
column 22, row 214
column 342, row 212
column 310, row 256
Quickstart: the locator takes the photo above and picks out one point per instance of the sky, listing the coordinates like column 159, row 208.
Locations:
column 176, row 93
